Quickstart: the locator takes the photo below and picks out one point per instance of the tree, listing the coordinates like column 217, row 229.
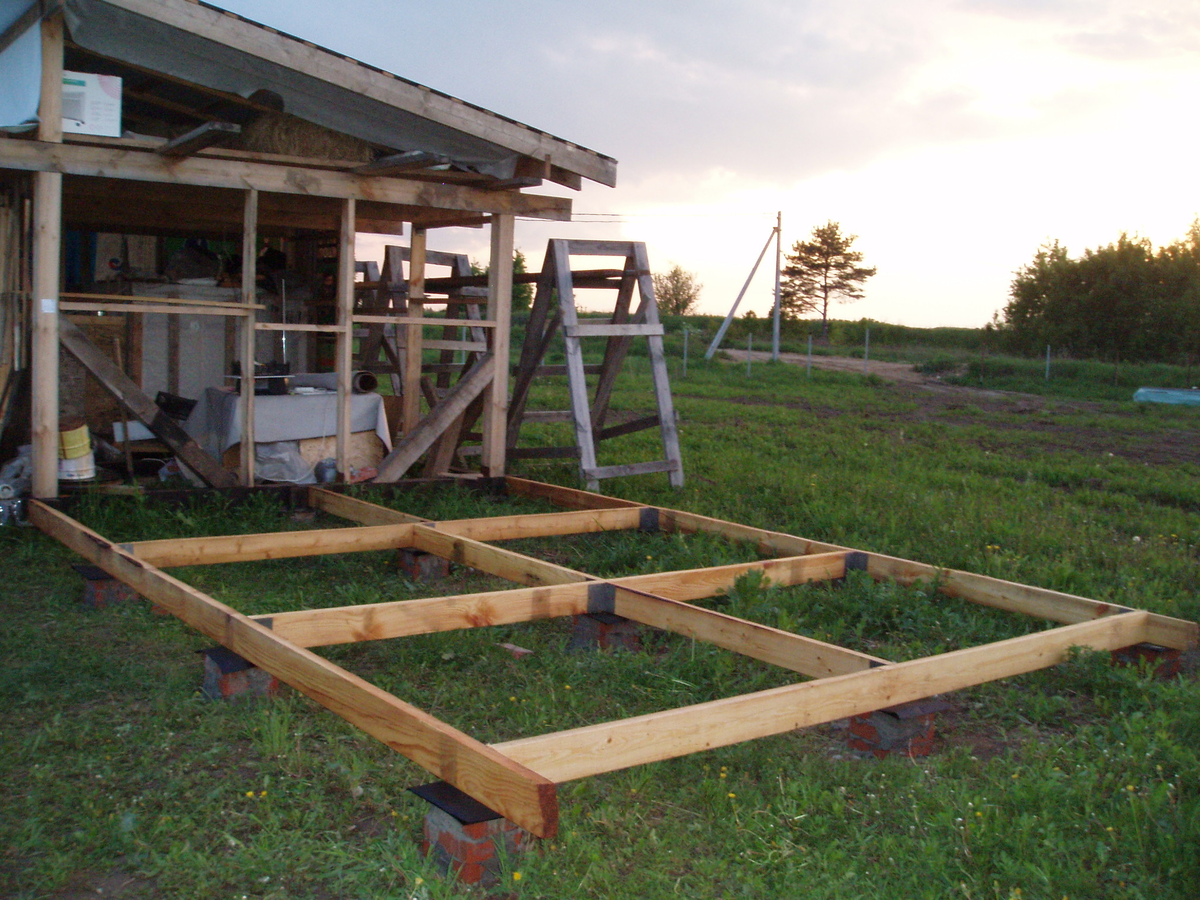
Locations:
column 821, row 271
column 677, row 292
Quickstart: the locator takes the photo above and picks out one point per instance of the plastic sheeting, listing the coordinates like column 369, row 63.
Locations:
column 20, row 71
column 1177, row 396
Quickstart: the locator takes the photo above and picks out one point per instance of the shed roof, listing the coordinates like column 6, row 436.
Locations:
column 200, row 44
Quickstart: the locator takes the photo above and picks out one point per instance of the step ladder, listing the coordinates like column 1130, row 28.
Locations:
column 557, row 282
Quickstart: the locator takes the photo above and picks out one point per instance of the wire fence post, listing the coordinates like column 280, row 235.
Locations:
column 809, row 367
column 1047, row 362
column 685, row 349
column 867, row 350
column 749, row 352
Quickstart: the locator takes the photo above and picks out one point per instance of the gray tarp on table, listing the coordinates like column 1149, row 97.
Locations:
column 216, row 422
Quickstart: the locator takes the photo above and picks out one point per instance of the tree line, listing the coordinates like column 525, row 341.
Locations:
column 1124, row 301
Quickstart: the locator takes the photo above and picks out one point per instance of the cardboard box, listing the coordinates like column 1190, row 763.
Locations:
column 91, row 104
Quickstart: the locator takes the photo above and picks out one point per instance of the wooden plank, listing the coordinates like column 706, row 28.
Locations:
column 293, row 326
column 499, row 310
column 493, row 560
column 805, row 655
column 631, row 427
column 642, row 468
column 658, row 367
column 695, row 584
column 177, row 301
column 207, row 135
column 517, row 793
column 355, row 510
column 209, row 171
column 572, row 498
column 47, row 249
column 468, row 346
column 142, row 407
column 576, row 380
column 413, row 337
column 614, row 351
column 765, row 541
column 609, row 329
column 166, row 309
column 424, row 320
column 204, row 551
column 404, row 618
column 247, row 350
column 409, row 449
column 581, row 752
column 543, row 453
column 599, row 248
column 345, row 344
column 508, row 528
column 1026, row 599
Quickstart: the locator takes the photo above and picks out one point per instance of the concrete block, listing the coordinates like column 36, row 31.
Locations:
column 420, row 566
column 605, row 631
column 229, row 677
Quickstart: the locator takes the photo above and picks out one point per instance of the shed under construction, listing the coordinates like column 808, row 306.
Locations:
column 230, row 133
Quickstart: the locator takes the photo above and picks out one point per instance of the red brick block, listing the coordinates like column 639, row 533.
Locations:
column 229, row 677
column 421, row 566
column 907, row 729
column 472, row 852
column 1163, row 660
column 101, row 590
column 605, row 631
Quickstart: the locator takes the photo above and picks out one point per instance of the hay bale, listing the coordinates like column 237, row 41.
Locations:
column 287, row 135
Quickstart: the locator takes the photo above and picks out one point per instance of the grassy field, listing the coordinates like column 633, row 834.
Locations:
column 1079, row 782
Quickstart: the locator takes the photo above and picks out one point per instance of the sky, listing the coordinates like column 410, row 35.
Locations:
column 953, row 137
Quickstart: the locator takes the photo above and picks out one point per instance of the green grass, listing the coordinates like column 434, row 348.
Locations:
column 1081, row 781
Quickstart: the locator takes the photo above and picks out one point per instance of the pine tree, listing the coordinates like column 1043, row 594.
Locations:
column 821, row 271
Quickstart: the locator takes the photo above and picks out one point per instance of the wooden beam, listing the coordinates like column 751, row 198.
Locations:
column 518, row 794
column 247, row 350
column 695, row 584
column 143, row 408
column 355, row 510
column 581, row 752
column 493, row 560
column 209, row 171
column 404, row 618
column 573, row 498
column 345, row 341
column 47, row 250
column 765, row 541
column 207, row 135
column 805, row 655
column 178, row 301
column 495, row 399
column 203, row 551
column 507, row 528
column 429, row 429
column 413, row 335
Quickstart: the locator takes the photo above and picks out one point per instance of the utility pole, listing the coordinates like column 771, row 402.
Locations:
column 778, row 257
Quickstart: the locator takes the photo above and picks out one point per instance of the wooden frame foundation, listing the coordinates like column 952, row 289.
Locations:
column 517, row 778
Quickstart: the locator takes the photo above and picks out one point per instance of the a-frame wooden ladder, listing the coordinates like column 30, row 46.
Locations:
column 557, row 280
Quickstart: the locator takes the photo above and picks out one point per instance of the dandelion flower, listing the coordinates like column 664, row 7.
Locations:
column 516, row 876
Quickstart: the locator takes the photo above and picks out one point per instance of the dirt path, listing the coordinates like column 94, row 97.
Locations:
column 887, row 370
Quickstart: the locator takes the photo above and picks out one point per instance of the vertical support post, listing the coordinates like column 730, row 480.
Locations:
column 47, row 245
column 1048, row 362
column 413, row 332
column 345, row 337
column 809, row 366
column 749, row 352
column 685, row 350
column 249, row 334
column 495, row 397
column 867, row 351
column 778, row 296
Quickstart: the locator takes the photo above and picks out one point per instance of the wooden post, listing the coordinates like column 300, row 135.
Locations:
column 345, row 337
column 47, row 244
column 495, row 403
column 413, row 335
column 249, row 297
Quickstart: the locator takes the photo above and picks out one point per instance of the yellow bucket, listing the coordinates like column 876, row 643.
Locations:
column 74, row 443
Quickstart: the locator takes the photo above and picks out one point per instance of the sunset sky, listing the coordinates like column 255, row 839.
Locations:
column 952, row 137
